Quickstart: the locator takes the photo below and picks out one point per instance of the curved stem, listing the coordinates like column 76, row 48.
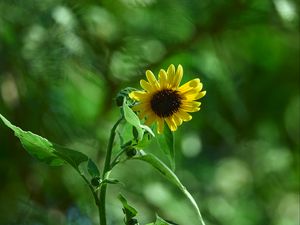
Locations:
column 94, row 192
column 115, row 161
column 92, row 189
column 106, row 169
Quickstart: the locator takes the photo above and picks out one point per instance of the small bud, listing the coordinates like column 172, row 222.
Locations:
column 119, row 100
column 96, row 181
column 124, row 94
column 130, row 151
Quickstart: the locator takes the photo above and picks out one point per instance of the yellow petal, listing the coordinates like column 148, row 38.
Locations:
column 194, row 90
column 178, row 76
column 191, row 93
column 163, row 81
column 138, row 95
column 152, row 80
column 177, row 119
column 171, row 74
column 192, row 84
column 187, row 108
column 184, row 115
column 190, row 103
column 146, row 86
column 171, row 123
column 200, row 95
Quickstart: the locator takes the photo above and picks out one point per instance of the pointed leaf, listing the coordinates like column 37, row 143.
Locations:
column 167, row 144
column 168, row 173
column 74, row 158
column 133, row 119
column 129, row 211
column 44, row 150
column 35, row 145
column 93, row 169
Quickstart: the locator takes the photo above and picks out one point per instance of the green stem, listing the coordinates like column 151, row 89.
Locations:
column 106, row 169
column 115, row 161
column 94, row 192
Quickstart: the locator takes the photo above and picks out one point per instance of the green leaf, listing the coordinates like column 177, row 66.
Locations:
column 129, row 211
column 133, row 119
column 167, row 144
column 160, row 221
column 74, row 158
column 168, row 173
column 44, row 150
column 35, row 145
column 93, row 169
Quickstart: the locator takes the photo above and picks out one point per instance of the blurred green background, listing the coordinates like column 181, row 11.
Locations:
column 62, row 62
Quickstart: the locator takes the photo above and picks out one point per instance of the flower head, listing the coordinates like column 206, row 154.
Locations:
column 163, row 100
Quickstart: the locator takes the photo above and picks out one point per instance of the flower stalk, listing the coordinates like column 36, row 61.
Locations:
column 106, row 171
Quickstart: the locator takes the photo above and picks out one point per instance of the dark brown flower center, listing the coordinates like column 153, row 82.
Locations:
column 165, row 103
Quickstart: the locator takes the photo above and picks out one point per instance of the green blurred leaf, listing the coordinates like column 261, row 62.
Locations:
column 166, row 143
column 129, row 211
column 168, row 173
column 93, row 169
column 45, row 150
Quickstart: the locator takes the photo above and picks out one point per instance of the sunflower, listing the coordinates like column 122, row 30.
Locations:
column 164, row 100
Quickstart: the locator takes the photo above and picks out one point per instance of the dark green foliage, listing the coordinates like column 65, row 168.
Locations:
column 62, row 64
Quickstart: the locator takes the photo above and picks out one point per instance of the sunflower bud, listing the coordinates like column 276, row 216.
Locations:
column 123, row 94
column 119, row 100
column 130, row 151
column 95, row 181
